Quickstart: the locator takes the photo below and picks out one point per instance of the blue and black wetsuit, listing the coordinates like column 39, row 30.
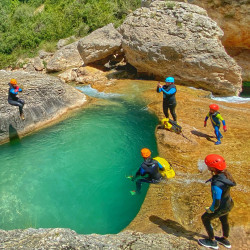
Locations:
column 13, row 99
column 149, row 167
column 169, row 101
column 221, row 206
column 215, row 120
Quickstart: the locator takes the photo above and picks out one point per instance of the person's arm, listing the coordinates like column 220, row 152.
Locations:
column 217, row 192
column 160, row 166
column 159, row 87
column 205, row 121
column 14, row 91
column 223, row 122
column 170, row 92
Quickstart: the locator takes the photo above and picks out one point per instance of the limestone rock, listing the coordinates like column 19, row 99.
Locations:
column 46, row 97
column 38, row 64
column 60, row 238
column 66, row 57
column 179, row 39
column 233, row 18
column 100, row 44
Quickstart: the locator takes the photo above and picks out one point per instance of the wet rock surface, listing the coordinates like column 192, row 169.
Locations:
column 175, row 206
column 47, row 98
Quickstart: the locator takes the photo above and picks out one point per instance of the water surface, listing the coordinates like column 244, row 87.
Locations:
column 72, row 175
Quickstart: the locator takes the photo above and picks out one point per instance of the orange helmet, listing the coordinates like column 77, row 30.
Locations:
column 13, row 81
column 145, row 152
column 214, row 107
column 215, row 161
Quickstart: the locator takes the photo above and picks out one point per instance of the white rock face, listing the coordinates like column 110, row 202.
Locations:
column 179, row 39
column 100, row 44
column 66, row 57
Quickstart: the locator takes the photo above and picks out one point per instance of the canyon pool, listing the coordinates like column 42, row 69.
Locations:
column 73, row 174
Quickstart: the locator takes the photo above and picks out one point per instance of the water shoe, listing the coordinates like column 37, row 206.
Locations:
column 217, row 143
column 223, row 241
column 208, row 243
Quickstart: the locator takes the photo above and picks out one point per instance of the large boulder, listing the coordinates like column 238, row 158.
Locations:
column 66, row 57
column 179, row 39
column 233, row 18
column 101, row 44
column 46, row 97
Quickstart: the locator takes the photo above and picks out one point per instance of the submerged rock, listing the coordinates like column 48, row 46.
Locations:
column 179, row 39
column 46, row 98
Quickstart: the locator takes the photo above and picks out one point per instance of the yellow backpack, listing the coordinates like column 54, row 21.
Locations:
column 171, row 125
column 168, row 172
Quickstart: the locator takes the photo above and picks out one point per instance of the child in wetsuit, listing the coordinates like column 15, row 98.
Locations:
column 221, row 182
column 13, row 99
column 215, row 118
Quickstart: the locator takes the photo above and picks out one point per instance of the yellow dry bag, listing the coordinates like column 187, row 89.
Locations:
column 168, row 172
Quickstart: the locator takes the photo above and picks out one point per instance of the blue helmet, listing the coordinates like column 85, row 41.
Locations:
column 169, row 79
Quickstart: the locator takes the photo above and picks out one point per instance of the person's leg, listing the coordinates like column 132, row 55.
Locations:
column 172, row 111
column 139, row 184
column 16, row 103
column 218, row 135
column 225, row 225
column 165, row 108
column 21, row 105
column 206, row 219
column 225, row 229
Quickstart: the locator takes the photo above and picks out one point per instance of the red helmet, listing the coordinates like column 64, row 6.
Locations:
column 215, row 161
column 145, row 152
column 214, row 107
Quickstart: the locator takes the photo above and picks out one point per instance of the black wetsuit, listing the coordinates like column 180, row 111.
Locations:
column 149, row 167
column 169, row 101
column 222, row 204
column 14, row 100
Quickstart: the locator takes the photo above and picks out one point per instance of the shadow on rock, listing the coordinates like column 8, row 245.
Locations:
column 173, row 227
column 13, row 135
column 200, row 134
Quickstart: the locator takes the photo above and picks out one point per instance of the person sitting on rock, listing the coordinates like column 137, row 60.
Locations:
column 221, row 182
column 12, row 97
column 149, row 167
column 215, row 118
column 169, row 101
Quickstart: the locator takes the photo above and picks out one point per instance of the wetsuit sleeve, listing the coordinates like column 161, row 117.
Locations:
column 207, row 116
column 13, row 91
column 160, row 166
column 158, row 89
column 216, row 192
column 170, row 92
column 142, row 171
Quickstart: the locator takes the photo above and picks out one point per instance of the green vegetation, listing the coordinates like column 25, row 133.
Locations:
column 29, row 25
column 246, row 84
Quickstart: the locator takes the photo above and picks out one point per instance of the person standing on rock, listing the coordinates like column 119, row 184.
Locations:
column 169, row 101
column 221, row 182
column 149, row 167
column 215, row 118
column 13, row 99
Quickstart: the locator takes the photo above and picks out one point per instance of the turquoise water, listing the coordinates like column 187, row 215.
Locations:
column 72, row 175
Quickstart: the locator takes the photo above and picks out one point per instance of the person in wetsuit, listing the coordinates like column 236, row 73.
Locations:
column 215, row 118
column 169, row 101
column 150, row 168
column 12, row 97
column 221, row 182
